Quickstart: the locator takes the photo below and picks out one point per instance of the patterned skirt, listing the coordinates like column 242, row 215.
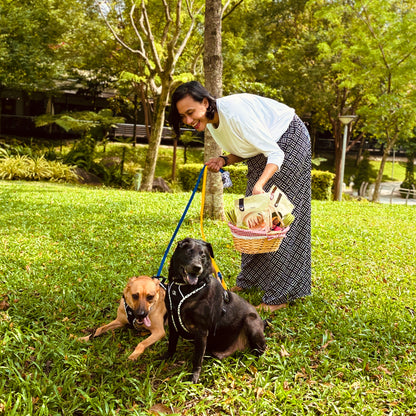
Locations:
column 284, row 275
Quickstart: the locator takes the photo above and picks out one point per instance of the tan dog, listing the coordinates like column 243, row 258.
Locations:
column 142, row 306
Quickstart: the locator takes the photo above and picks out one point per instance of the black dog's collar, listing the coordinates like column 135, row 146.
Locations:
column 177, row 294
column 162, row 281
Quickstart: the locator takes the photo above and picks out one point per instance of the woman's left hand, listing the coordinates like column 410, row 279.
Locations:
column 258, row 189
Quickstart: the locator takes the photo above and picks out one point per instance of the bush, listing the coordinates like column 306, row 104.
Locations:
column 409, row 181
column 364, row 171
column 322, row 182
column 188, row 175
column 25, row 168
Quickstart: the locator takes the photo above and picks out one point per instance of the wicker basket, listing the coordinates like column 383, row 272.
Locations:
column 256, row 242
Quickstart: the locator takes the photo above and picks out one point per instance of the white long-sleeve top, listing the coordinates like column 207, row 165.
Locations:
column 250, row 125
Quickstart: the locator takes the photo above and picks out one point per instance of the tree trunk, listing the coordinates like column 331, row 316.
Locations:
column 155, row 138
column 214, row 207
column 386, row 152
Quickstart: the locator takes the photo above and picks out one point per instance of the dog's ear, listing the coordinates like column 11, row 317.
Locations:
column 157, row 282
column 183, row 243
column 209, row 247
column 127, row 289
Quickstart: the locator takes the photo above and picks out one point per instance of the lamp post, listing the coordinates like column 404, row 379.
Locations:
column 345, row 120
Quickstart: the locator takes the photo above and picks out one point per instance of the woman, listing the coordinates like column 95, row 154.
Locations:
column 275, row 144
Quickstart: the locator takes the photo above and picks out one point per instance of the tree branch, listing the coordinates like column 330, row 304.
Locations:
column 232, row 9
column 145, row 24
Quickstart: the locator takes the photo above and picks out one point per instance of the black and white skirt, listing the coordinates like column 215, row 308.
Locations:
column 284, row 275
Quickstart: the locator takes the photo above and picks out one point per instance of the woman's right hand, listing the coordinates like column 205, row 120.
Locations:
column 215, row 164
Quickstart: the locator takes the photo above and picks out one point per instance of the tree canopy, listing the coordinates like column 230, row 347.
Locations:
column 322, row 57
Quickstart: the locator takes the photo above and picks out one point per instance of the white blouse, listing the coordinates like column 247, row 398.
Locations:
column 250, row 125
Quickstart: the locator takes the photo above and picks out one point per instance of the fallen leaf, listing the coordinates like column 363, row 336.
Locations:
column 159, row 408
column 283, row 352
column 384, row 370
column 4, row 305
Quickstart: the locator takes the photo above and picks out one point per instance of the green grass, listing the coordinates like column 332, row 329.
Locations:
column 67, row 252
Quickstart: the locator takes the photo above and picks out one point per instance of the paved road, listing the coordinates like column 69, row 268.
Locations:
column 389, row 194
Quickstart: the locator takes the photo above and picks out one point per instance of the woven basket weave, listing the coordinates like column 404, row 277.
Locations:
column 256, row 242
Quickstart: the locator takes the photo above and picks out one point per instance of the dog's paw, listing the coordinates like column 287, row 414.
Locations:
column 166, row 356
column 195, row 376
column 134, row 356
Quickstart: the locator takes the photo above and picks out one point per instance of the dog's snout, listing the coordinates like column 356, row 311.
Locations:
column 195, row 268
column 140, row 312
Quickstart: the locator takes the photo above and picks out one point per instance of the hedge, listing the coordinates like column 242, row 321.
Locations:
column 322, row 181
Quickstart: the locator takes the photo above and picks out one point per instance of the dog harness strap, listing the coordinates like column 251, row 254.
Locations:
column 162, row 281
column 129, row 313
column 175, row 294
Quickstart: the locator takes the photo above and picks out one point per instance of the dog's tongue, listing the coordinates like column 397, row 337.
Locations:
column 147, row 322
column 192, row 280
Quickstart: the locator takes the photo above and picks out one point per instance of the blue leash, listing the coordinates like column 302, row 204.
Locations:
column 180, row 221
column 226, row 183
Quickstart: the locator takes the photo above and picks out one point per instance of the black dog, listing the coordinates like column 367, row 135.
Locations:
column 220, row 322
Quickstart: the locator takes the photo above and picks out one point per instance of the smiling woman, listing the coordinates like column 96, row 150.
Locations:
column 276, row 146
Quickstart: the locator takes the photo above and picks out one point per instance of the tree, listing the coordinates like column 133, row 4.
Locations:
column 51, row 46
column 156, row 35
column 213, row 82
column 380, row 60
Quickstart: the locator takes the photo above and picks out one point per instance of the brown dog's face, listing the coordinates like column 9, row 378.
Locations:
column 141, row 293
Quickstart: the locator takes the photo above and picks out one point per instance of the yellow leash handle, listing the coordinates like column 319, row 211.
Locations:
column 201, row 223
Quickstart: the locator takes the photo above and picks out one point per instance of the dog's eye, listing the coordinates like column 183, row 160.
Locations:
column 202, row 254
column 135, row 296
column 150, row 298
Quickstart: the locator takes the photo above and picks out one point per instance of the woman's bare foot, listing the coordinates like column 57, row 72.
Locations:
column 270, row 308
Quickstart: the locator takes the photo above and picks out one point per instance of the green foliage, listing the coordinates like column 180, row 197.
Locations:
column 238, row 175
column 68, row 251
column 36, row 169
column 188, row 175
column 97, row 125
column 82, row 153
column 322, row 182
column 364, row 171
column 409, row 181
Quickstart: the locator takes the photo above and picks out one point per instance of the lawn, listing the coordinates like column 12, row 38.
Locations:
column 67, row 252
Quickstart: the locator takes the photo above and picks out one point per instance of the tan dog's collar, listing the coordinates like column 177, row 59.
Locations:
column 130, row 315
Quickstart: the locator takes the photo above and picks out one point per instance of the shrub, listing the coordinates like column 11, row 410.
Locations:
column 322, row 182
column 409, row 181
column 25, row 168
column 364, row 171
column 188, row 175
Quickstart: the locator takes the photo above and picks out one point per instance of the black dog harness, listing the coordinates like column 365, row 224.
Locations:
column 130, row 316
column 178, row 293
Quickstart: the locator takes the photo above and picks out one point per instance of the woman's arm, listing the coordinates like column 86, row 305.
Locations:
column 216, row 163
column 268, row 172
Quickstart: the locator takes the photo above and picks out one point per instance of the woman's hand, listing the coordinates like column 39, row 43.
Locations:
column 268, row 172
column 258, row 189
column 215, row 164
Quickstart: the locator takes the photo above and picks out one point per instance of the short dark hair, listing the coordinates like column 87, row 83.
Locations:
column 198, row 92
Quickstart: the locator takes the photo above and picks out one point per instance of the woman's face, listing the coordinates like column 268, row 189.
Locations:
column 193, row 113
